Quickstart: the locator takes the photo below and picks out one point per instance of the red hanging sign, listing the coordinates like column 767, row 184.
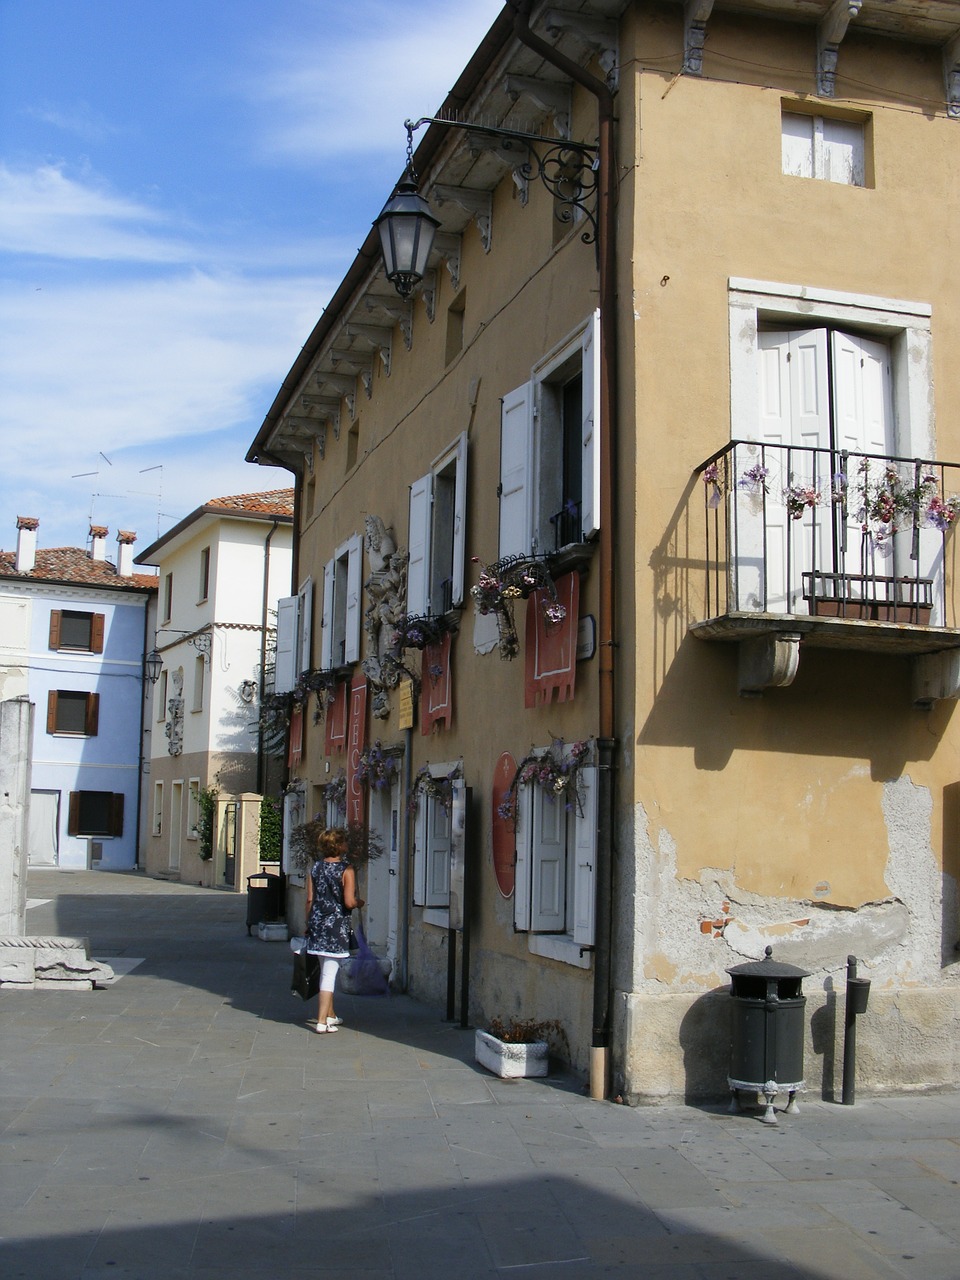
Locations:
column 504, row 830
column 295, row 754
column 356, row 742
column 335, row 730
column 436, row 687
column 551, row 648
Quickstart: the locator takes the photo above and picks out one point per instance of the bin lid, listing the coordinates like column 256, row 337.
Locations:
column 768, row 968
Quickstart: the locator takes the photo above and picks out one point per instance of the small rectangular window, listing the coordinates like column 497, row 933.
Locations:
column 95, row 813
column 167, row 597
column 158, row 808
column 823, row 147
column 198, row 681
column 162, row 697
column 204, row 573
column 73, row 712
column 193, row 808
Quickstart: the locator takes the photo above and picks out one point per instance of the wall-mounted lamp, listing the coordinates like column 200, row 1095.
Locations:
column 407, row 227
column 153, row 665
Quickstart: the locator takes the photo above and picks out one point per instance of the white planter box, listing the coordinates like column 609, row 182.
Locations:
column 510, row 1061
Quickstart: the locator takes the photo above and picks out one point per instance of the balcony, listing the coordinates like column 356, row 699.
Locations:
column 829, row 549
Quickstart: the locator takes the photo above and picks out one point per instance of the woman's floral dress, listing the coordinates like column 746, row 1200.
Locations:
column 328, row 925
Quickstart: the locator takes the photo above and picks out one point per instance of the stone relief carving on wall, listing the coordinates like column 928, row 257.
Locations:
column 386, row 590
column 174, row 726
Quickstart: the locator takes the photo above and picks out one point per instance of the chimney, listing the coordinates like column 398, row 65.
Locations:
column 98, row 542
column 125, row 541
column 27, row 527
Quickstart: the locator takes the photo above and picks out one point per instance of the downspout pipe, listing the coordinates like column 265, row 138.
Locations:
column 264, row 608
column 606, row 740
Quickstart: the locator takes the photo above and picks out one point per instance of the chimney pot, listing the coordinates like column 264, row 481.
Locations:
column 125, row 541
column 27, row 527
column 98, row 542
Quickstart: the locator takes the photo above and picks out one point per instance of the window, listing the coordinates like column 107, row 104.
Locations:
column 162, row 697
column 340, row 641
column 158, row 808
column 167, row 596
column 73, row 713
column 816, row 370
column 353, row 445
column 549, row 462
column 455, row 314
column 555, row 870
column 95, row 813
column 76, row 630
column 199, row 671
column 436, row 534
column 204, row 575
column 294, row 637
column 433, row 846
column 193, row 808
column 823, row 147
column 294, row 815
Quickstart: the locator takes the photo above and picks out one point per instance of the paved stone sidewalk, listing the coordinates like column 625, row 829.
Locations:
column 186, row 1123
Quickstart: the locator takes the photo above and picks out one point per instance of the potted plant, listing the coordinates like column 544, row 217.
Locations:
column 518, row 1048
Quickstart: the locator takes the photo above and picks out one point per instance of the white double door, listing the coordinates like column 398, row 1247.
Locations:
column 824, row 402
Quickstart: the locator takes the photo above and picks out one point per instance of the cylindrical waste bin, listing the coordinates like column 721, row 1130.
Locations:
column 768, row 1031
column 263, row 901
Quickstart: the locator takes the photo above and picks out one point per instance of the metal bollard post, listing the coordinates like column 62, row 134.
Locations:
column 857, row 994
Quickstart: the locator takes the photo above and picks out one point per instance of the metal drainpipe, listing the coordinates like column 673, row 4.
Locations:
column 606, row 742
column 143, row 721
column 263, row 647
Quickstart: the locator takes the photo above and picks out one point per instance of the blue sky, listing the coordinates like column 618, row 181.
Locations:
column 182, row 186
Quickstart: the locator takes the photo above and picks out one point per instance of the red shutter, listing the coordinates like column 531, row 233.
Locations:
column 55, row 616
column 436, row 687
column 96, row 633
column 116, row 814
column 295, row 753
column 73, row 814
column 551, row 650
column 92, row 721
column 52, row 711
column 335, row 732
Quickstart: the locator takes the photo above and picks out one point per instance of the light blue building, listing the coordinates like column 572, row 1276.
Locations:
column 73, row 629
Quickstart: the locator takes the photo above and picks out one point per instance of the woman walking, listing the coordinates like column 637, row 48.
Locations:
column 331, row 896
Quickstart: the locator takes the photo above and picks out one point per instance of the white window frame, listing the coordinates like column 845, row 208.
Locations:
column 423, row 594
column 158, row 808
column 431, row 860
column 161, row 697
column 294, row 815
column 572, row 940
column 523, row 525
column 341, row 619
column 199, row 682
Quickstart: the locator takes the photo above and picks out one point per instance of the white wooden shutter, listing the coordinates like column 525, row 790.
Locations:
column 842, row 151
column 326, row 625
column 516, row 470
column 548, row 864
column 590, row 433
column 420, row 853
column 351, row 651
column 460, row 520
column 285, row 674
column 418, row 541
column 305, row 626
column 796, row 133
column 585, row 860
column 521, row 891
column 438, row 854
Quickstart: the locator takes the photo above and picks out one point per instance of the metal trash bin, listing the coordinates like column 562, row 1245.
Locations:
column 264, row 902
column 768, row 1032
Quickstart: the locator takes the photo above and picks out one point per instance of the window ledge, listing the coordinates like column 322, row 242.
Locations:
column 437, row 916
column 554, row 946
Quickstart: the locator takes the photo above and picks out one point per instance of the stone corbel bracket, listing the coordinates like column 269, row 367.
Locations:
column 767, row 662
column 361, row 362
column 400, row 313
column 695, row 16
column 379, row 338
column 305, row 431
column 830, row 34
column 478, row 204
column 551, row 96
column 328, row 411
column 448, row 247
column 599, row 34
column 344, row 385
column 936, row 676
column 951, row 76
column 428, row 292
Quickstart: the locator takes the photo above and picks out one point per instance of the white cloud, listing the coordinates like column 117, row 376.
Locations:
column 44, row 212
column 80, row 120
column 334, row 95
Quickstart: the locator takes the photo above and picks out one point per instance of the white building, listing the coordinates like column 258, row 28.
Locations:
column 72, row 631
column 222, row 570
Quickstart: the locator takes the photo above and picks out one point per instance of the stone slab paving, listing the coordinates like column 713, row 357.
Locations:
column 185, row 1123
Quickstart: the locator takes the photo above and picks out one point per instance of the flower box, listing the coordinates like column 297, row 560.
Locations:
column 511, row 1061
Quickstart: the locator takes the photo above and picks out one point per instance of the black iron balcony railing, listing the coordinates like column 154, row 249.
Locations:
column 792, row 530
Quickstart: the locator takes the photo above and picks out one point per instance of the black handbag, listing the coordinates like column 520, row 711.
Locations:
column 306, row 975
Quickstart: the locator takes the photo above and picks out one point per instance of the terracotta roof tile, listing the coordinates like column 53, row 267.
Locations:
column 273, row 502
column 73, row 565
